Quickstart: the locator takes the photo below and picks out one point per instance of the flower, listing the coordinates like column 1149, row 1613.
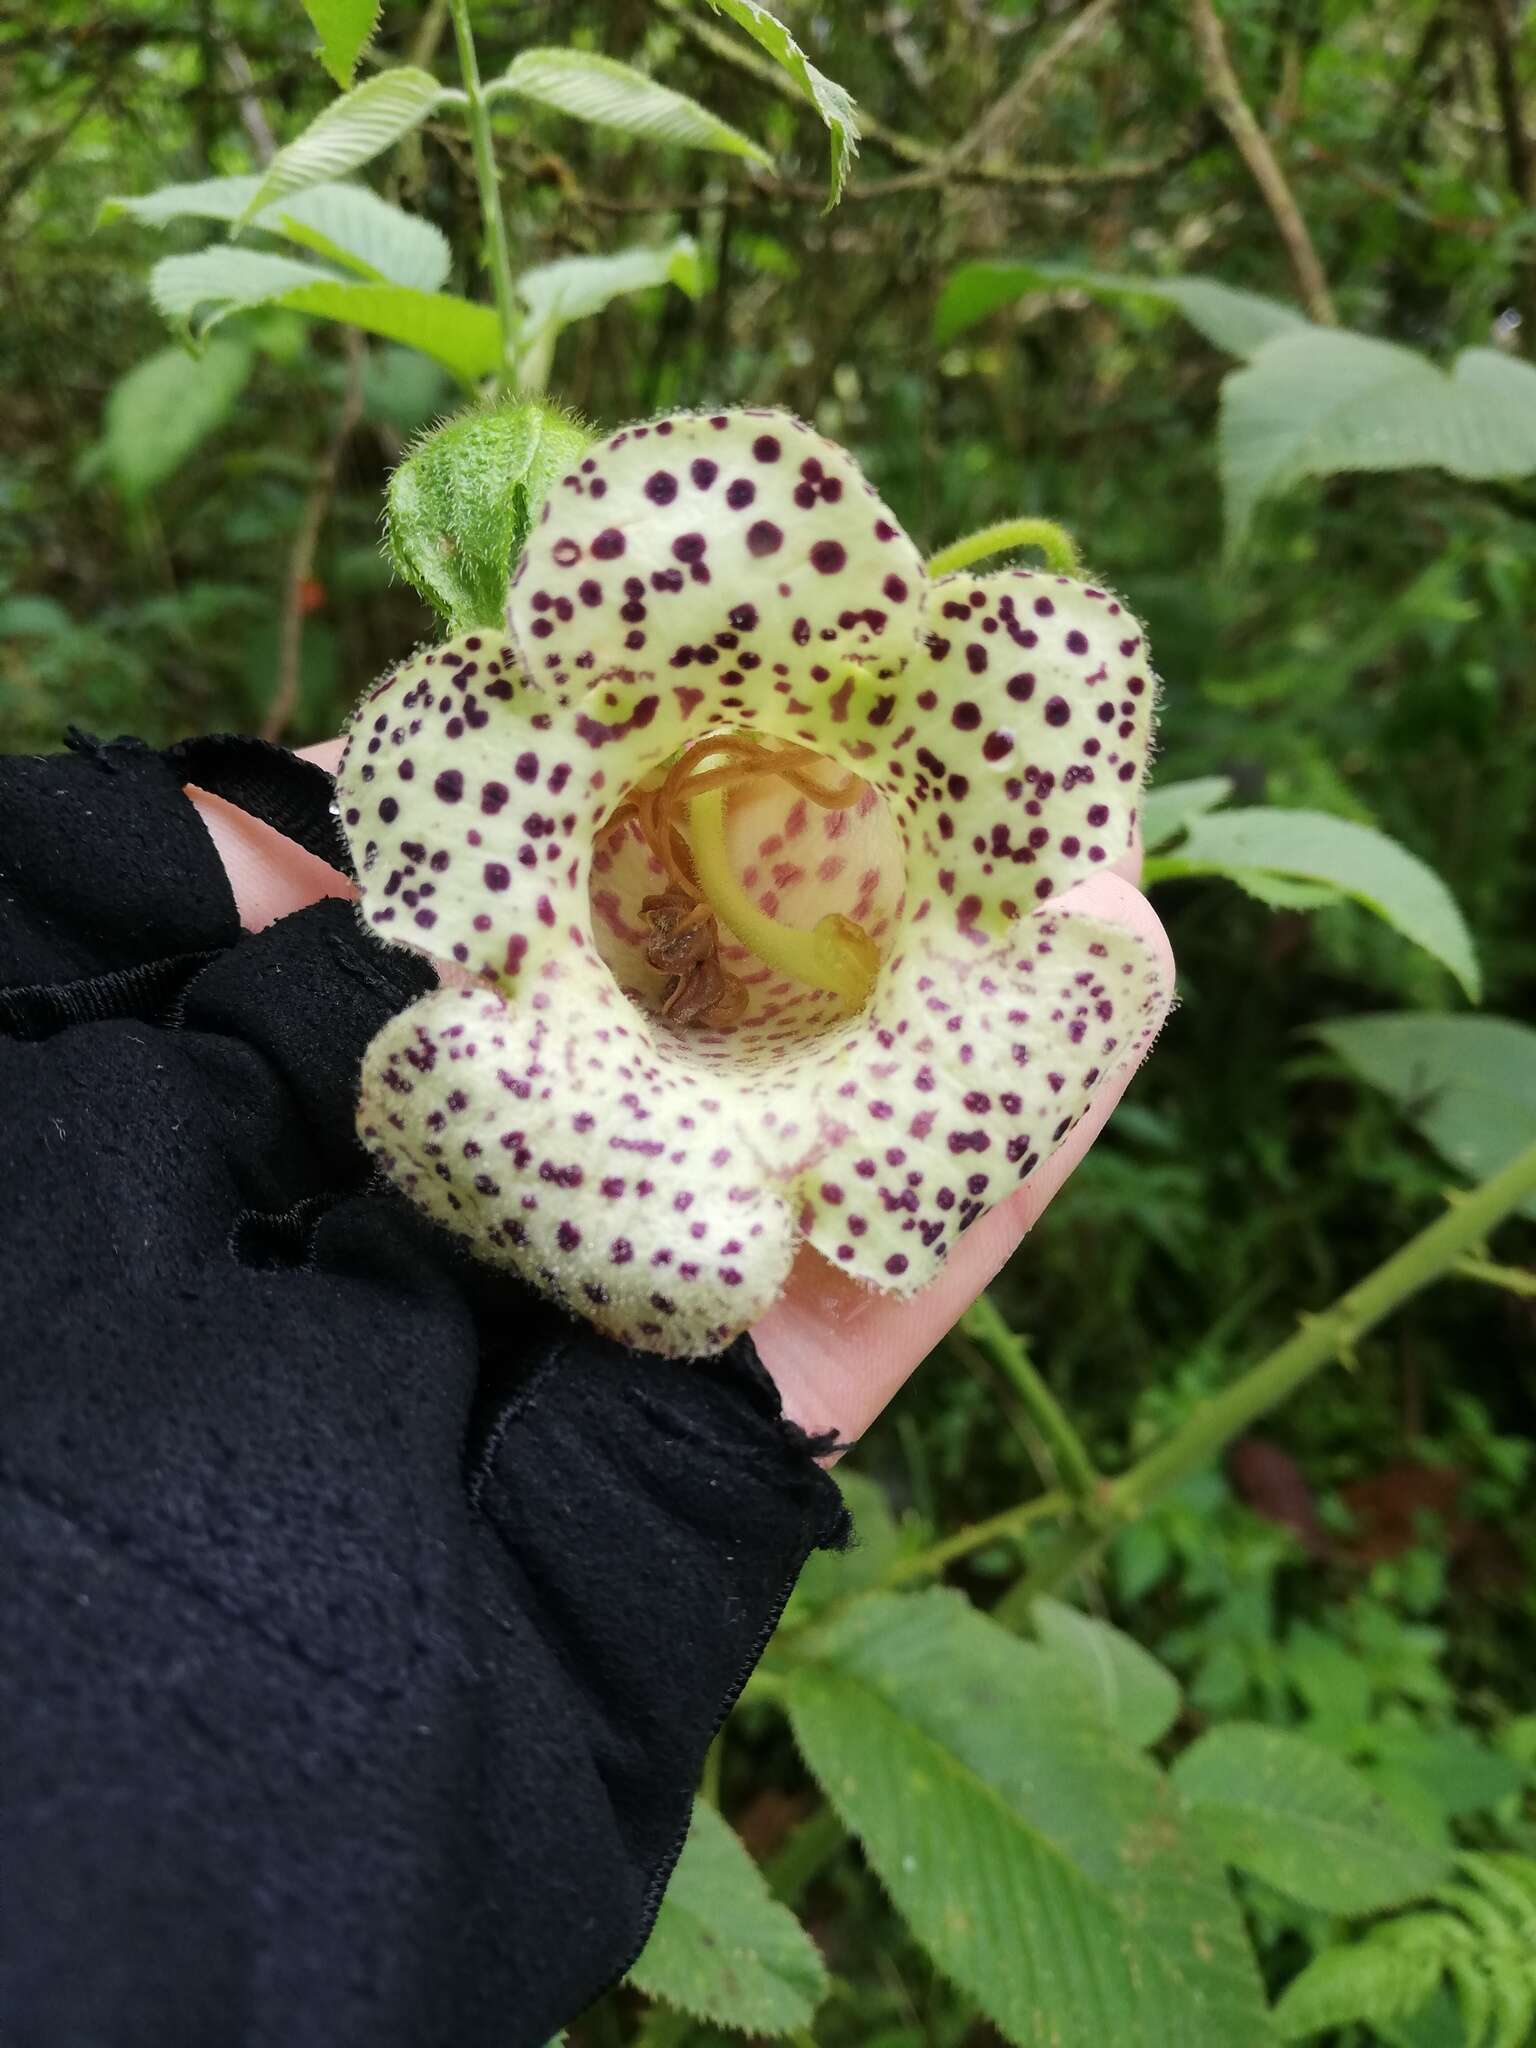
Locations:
column 753, row 847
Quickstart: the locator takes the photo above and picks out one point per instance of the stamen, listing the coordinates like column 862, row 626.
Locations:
column 703, row 891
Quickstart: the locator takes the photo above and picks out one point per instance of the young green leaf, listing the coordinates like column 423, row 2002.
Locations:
column 164, row 407
column 346, row 223
column 613, row 95
column 1043, row 1864
column 1318, row 402
column 1311, row 846
column 1137, row 1697
column 197, row 292
column 1270, row 1802
column 723, row 1948
column 1366, row 1983
column 461, row 504
column 1239, row 322
column 1168, row 807
column 345, row 29
column 1466, row 1084
column 574, row 287
column 834, row 105
column 351, row 131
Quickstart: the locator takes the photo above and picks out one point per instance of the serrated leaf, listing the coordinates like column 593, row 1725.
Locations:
column 834, row 105
column 197, row 292
column 1137, row 1697
column 1318, row 402
column 351, row 131
column 1296, row 1815
column 1366, row 1982
column 1234, row 320
column 1466, row 1084
column 609, row 94
column 575, row 287
column 346, row 223
column 1042, row 1864
column 723, row 1948
column 345, row 29
column 1312, row 846
column 1168, row 807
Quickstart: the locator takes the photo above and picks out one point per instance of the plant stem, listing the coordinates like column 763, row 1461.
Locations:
column 1513, row 1279
column 1437, row 1250
column 983, row 1323
column 1053, row 541
column 498, row 256
column 974, row 1536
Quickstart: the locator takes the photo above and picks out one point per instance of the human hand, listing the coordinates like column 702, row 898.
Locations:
column 837, row 1352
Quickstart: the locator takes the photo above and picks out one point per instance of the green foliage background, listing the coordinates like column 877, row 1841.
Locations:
column 188, row 544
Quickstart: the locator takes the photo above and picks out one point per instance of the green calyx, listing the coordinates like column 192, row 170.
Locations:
column 461, row 503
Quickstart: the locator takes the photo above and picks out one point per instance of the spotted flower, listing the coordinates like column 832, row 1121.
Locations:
column 753, row 848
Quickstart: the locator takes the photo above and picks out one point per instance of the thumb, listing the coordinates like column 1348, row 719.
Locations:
column 838, row 1352
column 269, row 875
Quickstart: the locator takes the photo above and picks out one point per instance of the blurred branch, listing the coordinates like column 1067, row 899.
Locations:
column 552, row 169
column 1252, row 145
column 1000, row 122
column 1518, row 154
column 252, row 116
column 301, row 556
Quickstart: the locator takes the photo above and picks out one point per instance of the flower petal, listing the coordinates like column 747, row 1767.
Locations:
column 470, row 806
column 545, row 1132
column 980, row 1061
column 1033, row 705
column 738, row 559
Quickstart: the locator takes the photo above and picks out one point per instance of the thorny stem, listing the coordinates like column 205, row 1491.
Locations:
column 984, row 1325
column 1435, row 1251
column 498, row 255
column 1053, row 541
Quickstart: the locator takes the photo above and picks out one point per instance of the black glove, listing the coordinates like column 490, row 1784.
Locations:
column 363, row 1621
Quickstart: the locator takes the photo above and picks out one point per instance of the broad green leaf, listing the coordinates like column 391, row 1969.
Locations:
column 1364, row 1982
column 1317, row 402
column 1284, row 892
column 574, row 287
column 1298, row 1816
column 834, row 105
column 165, row 406
column 1166, row 809
column 346, row 223
column 351, row 131
column 345, row 29
column 197, row 292
column 1236, row 321
column 613, row 95
column 723, row 1948
column 1137, row 1697
column 460, row 505
column 1043, row 1864
column 1466, row 1084
column 1311, row 846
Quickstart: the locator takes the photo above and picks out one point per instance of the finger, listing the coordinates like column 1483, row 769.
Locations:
column 837, row 1351
column 270, row 875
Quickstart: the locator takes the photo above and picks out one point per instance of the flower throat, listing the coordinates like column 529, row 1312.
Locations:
column 681, row 815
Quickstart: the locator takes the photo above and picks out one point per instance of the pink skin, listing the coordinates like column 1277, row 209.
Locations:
column 837, row 1352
